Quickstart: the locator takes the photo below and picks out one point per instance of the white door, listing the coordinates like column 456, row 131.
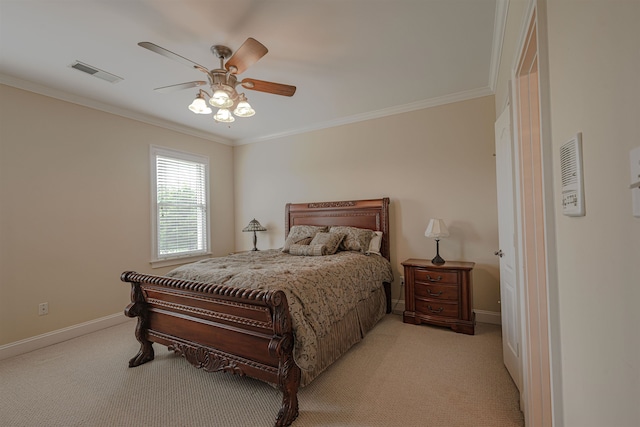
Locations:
column 507, row 252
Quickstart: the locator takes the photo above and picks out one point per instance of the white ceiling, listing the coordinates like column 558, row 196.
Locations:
column 349, row 59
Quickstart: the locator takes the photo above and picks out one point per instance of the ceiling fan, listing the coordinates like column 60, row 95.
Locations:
column 223, row 81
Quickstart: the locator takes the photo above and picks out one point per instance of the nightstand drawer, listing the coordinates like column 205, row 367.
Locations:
column 433, row 291
column 435, row 276
column 437, row 308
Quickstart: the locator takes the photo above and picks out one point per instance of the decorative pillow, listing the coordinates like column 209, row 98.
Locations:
column 305, row 241
column 376, row 242
column 355, row 239
column 331, row 242
column 307, row 250
column 299, row 233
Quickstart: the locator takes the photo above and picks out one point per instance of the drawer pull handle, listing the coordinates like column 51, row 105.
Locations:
column 431, row 279
column 435, row 311
column 434, row 294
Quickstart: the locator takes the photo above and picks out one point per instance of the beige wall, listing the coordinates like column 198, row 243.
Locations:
column 593, row 68
column 75, row 192
column 435, row 162
column 75, row 209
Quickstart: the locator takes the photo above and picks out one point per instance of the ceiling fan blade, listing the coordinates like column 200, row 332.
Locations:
column 247, row 55
column 164, row 52
column 268, row 87
column 180, row 86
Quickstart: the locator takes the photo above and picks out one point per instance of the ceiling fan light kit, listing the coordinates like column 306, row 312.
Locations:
column 223, row 81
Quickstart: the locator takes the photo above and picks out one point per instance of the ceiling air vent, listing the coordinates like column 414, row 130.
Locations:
column 95, row 72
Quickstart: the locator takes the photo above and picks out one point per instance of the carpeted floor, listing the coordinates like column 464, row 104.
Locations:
column 399, row 375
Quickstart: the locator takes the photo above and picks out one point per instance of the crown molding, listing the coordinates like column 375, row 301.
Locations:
column 90, row 103
column 400, row 109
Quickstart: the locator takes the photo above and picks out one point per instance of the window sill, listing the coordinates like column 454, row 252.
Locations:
column 158, row 263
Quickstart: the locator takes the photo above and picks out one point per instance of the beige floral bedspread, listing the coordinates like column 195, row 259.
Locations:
column 320, row 289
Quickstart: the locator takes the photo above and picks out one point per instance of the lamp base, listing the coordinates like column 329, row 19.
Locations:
column 255, row 241
column 437, row 260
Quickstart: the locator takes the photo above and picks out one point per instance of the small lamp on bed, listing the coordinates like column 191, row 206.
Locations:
column 254, row 226
column 435, row 230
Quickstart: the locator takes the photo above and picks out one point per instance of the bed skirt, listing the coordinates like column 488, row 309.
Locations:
column 347, row 332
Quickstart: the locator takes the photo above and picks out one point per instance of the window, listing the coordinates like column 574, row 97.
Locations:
column 180, row 199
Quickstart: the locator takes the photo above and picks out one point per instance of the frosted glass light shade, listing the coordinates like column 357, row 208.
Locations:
column 199, row 106
column 224, row 115
column 244, row 110
column 221, row 99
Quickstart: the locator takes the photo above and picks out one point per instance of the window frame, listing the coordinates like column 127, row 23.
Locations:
column 158, row 260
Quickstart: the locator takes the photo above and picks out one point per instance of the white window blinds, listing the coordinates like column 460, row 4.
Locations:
column 181, row 204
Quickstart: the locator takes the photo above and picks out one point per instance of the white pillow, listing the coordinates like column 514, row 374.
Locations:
column 376, row 242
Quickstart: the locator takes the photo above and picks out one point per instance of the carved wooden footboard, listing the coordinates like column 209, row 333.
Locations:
column 218, row 328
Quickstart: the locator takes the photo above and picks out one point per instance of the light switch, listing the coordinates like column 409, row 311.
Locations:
column 635, row 181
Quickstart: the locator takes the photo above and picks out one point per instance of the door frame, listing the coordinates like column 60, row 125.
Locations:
column 541, row 396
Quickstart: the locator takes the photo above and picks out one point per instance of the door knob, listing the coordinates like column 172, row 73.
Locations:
column 499, row 253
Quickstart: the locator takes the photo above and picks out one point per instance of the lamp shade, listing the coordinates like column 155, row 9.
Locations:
column 244, row 110
column 199, row 106
column 221, row 99
column 436, row 229
column 224, row 115
column 254, row 226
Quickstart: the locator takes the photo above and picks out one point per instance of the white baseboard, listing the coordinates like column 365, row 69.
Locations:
column 493, row 317
column 54, row 337
column 482, row 316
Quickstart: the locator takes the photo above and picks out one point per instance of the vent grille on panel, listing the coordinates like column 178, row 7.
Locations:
column 569, row 164
column 571, row 172
column 95, row 72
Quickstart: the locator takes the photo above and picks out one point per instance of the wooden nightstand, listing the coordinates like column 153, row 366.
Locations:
column 439, row 294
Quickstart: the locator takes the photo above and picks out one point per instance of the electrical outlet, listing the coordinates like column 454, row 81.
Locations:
column 43, row 308
column 401, row 280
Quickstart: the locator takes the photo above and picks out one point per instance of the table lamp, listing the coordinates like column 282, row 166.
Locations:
column 254, row 226
column 435, row 230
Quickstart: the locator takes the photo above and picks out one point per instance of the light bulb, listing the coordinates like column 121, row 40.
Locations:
column 224, row 115
column 221, row 99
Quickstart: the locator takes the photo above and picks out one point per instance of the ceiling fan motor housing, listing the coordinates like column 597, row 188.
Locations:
column 220, row 79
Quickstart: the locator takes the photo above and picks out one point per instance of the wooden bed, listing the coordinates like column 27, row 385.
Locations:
column 236, row 330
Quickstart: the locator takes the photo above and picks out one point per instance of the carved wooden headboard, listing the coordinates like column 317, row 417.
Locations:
column 372, row 214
